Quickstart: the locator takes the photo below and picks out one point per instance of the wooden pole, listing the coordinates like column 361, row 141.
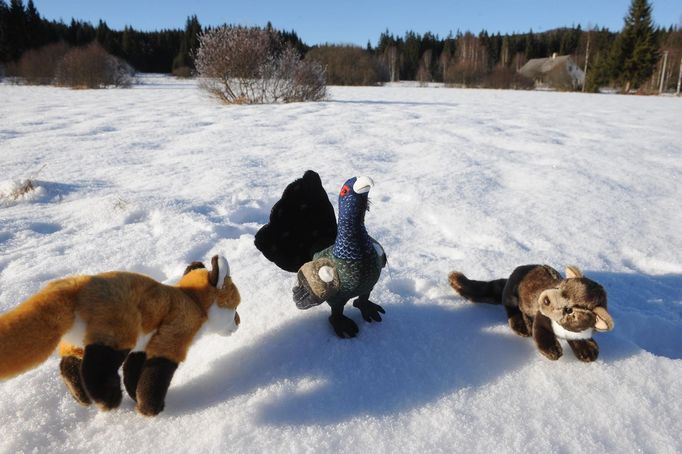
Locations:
column 665, row 63
column 679, row 78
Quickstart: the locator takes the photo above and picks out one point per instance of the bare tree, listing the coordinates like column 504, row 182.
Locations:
column 241, row 66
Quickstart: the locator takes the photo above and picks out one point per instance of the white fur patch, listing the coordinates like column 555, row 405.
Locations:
column 223, row 270
column 220, row 321
column 142, row 341
column 76, row 335
column 563, row 333
column 326, row 273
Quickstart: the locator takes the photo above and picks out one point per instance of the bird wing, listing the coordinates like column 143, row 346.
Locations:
column 301, row 223
column 318, row 281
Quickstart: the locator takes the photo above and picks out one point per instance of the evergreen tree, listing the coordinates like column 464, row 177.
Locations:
column 634, row 53
column 4, row 23
column 190, row 43
column 16, row 29
column 34, row 27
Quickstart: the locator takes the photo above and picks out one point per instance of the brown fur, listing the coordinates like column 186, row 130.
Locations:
column 116, row 308
column 535, row 296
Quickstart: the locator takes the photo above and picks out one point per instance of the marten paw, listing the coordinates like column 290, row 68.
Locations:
column 519, row 326
column 552, row 351
column 585, row 350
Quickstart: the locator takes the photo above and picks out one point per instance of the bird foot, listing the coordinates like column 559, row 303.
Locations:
column 343, row 326
column 369, row 310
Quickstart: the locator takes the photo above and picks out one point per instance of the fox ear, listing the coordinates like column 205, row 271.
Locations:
column 193, row 266
column 573, row 271
column 220, row 269
column 604, row 322
column 214, row 274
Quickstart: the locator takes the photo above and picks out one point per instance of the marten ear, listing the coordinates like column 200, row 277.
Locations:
column 219, row 271
column 193, row 266
column 573, row 271
column 604, row 322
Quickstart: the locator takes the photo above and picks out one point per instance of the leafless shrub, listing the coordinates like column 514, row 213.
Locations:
column 38, row 66
column 92, row 67
column 240, row 66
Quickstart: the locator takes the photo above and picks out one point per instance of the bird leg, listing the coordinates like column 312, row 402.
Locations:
column 343, row 326
column 368, row 309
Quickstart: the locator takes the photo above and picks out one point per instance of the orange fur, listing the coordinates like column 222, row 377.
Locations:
column 116, row 308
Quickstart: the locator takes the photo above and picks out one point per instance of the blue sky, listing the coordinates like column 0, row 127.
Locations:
column 355, row 21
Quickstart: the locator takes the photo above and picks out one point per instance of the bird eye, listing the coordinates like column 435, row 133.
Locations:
column 344, row 191
column 568, row 311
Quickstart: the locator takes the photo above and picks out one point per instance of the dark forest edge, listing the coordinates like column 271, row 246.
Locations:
column 459, row 59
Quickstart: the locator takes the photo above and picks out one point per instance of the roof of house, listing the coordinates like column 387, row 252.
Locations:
column 543, row 65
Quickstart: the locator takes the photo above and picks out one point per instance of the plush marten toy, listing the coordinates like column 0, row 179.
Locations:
column 541, row 304
column 117, row 318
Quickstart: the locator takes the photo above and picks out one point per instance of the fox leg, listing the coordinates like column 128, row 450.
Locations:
column 132, row 369
column 153, row 383
column 70, row 368
column 99, row 371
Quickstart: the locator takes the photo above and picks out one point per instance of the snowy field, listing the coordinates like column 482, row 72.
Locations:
column 154, row 177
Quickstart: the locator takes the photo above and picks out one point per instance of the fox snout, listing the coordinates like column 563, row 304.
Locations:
column 237, row 320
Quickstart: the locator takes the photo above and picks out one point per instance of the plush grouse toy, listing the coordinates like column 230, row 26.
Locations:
column 334, row 263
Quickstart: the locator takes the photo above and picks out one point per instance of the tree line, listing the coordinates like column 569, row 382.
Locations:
column 22, row 29
column 630, row 58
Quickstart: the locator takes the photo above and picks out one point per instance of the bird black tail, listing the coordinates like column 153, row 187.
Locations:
column 301, row 223
column 477, row 291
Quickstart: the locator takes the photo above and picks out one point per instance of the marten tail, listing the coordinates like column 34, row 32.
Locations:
column 30, row 332
column 477, row 291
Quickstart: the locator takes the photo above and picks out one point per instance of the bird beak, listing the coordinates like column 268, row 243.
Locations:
column 363, row 185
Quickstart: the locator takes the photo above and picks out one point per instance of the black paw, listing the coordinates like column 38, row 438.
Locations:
column 369, row 310
column 150, row 408
column 99, row 372
column 132, row 369
column 153, row 385
column 343, row 326
column 70, row 368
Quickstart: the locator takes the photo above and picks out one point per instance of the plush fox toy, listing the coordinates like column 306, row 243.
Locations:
column 539, row 303
column 117, row 318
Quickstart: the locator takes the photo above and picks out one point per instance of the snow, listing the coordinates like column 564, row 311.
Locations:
column 152, row 178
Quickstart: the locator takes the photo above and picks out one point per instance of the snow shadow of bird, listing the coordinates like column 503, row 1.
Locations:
column 419, row 353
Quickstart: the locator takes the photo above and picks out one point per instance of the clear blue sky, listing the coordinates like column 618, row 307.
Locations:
column 354, row 21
